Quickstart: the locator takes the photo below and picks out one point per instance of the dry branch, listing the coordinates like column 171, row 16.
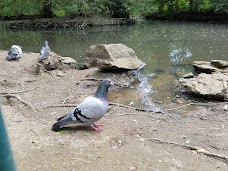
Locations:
column 21, row 100
column 131, row 107
column 59, row 105
column 65, row 100
column 22, row 91
column 198, row 149
column 99, row 80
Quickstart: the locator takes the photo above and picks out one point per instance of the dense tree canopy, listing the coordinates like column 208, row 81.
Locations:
column 111, row 8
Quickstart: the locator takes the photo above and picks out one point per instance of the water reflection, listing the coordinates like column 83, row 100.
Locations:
column 179, row 55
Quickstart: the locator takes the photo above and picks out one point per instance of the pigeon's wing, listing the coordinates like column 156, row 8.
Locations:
column 91, row 109
column 47, row 50
column 42, row 53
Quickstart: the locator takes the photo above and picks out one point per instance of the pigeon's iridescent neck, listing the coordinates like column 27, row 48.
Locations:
column 102, row 92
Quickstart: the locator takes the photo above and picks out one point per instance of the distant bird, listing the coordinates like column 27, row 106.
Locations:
column 14, row 52
column 44, row 52
column 90, row 110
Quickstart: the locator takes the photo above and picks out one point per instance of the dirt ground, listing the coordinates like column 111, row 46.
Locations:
column 128, row 140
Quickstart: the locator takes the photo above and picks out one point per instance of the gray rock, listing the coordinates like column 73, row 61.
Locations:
column 204, row 66
column 210, row 67
column 210, row 86
column 112, row 57
column 219, row 63
column 68, row 60
column 52, row 62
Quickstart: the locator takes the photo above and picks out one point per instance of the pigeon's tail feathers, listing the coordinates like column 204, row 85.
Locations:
column 57, row 126
column 61, row 123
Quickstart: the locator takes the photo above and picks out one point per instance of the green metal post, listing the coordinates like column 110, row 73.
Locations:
column 6, row 157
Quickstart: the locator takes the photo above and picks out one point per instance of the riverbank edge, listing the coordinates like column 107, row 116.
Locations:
column 67, row 22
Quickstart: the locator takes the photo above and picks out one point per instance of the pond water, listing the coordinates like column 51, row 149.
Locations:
column 167, row 48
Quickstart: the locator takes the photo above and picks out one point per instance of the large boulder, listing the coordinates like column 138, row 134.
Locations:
column 112, row 57
column 210, row 86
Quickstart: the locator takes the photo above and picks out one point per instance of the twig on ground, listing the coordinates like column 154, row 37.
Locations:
column 113, row 110
column 198, row 149
column 22, row 91
column 59, row 105
column 21, row 100
column 34, row 133
column 111, row 103
column 99, row 80
column 91, row 79
column 65, row 100
column 194, row 103
column 130, row 107
column 125, row 114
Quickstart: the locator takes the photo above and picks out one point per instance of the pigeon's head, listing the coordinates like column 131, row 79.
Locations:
column 46, row 42
column 106, row 83
column 102, row 90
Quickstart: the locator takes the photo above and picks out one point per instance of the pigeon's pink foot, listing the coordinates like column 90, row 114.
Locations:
column 97, row 128
column 97, row 124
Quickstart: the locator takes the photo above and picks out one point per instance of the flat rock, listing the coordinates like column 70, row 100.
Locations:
column 68, row 60
column 204, row 66
column 52, row 62
column 210, row 67
column 112, row 57
column 219, row 63
column 210, row 86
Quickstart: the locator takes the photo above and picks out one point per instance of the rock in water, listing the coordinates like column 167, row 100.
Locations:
column 14, row 53
column 112, row 57
column 210, row 86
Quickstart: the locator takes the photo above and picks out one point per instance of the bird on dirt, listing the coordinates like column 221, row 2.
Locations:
column 44, row 52
column 14, row 53
column 90, row 110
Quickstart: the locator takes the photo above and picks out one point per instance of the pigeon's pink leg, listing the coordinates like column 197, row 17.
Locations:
column 96, row 128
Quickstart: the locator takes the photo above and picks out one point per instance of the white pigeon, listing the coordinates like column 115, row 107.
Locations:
column 14, row 52
column 44, row 52
column 90, row 110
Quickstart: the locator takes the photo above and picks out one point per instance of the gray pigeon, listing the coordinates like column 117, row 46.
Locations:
column 14, row 52
column 90, row 110
column 44, row 52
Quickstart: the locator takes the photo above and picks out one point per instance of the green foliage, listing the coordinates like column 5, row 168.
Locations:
column 167, row 7
column 60, row 13
column 142, row 7
column 109, row 8
column 20, row 7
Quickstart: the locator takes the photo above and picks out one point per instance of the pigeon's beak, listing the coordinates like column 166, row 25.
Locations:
column 112, row 84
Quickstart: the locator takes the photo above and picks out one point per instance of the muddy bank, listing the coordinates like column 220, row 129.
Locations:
column 66, row 23
column 125, row 142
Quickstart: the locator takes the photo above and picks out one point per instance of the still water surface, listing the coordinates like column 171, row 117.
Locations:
column 166, row 47
column 160, row 44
